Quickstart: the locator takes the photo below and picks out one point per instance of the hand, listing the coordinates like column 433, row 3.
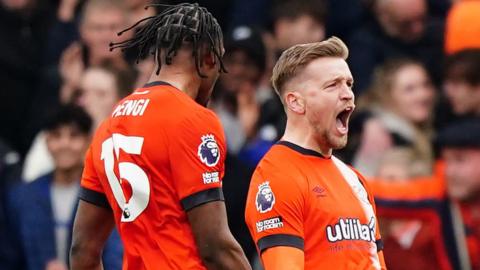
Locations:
column 56, row 265
column 71, row 68
column 248, row 109
column 66, row 10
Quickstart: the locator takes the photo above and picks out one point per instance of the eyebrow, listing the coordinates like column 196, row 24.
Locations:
column 340, row 78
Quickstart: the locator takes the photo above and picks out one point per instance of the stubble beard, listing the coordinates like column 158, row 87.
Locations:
column 331, row 141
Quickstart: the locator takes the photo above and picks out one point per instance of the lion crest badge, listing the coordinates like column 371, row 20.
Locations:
column 265, row 198
column 208, row 151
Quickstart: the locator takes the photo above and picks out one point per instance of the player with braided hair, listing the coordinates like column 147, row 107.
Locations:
column 154, row 167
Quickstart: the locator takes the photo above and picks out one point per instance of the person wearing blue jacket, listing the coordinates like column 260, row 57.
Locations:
column 41, row 213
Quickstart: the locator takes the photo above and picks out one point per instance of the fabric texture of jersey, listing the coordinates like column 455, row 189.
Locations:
column 157, row 156
column 300, row 199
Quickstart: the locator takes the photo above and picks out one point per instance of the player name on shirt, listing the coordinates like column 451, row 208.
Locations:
column 131, row 107
column 351, row 229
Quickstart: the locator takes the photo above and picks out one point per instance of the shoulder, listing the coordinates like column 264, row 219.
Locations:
column 280, row 167
column 24, row 192
column 197, row 121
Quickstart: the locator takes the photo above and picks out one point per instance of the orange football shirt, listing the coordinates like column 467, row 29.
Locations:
column 298, row 198
column 157, row 156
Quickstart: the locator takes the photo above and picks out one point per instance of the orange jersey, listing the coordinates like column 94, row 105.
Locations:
column 157, row 156
column 300, row 199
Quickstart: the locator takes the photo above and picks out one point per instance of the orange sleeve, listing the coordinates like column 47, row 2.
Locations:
column 89, row 176
column 275, row 208
column 197, row 154
column 283, row 258
column 382, row 260
column 91, row 189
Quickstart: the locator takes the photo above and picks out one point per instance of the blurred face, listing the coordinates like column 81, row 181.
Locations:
column 462, row 173
column 98, row 94
column 326, row 94
column 403, row 19
column 67, row 145
column 241, row 68
column 17, row 5
column 303, row 29
column 412, row 94
column 463, row 97
column 393, row 171
column 99, row 28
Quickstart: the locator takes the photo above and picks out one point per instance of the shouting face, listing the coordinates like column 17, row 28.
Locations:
column 326, row 100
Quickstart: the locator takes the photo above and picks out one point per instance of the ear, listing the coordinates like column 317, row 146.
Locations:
column 209, row 59
column 295, row 102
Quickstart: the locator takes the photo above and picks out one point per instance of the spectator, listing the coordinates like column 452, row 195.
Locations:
column 462, row 82
column 100, row 22
column 9, row 174
column 400, row 102
column 23, row 28
column 463, row 27
column 296, row 22
column 293, row 22
column 401, row 28
column 100, row 88
column 450, row 199
column 235, row 98
column 42, row 211
column 137, row 10
column 408, row 242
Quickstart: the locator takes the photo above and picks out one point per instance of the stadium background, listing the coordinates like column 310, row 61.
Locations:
column 416, row 65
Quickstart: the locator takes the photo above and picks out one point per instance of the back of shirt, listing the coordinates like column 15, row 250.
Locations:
column 159, row 155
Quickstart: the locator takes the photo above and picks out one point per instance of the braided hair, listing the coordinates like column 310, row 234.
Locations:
column 163, row 34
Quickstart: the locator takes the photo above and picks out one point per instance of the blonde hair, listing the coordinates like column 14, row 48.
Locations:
column 293, row 60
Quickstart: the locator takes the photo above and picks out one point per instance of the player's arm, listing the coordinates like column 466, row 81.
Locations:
column 198, row 156
column 276, row 225
column 283, row 258
column 382, row 260
column 216, row 245
column 93, row 225
column 93, row 221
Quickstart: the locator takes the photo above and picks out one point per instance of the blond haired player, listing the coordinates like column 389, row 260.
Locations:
column 306, row 209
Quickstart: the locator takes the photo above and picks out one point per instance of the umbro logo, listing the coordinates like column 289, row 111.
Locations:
column 319, row 191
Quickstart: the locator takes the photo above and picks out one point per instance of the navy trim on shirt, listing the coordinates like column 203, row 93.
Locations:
column 202, row 197
column 156, row 83
column 94, row 197
column 379, row 243
column 301, row 150
column 275, row 240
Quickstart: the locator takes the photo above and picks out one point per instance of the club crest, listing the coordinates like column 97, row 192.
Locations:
column 208, row 151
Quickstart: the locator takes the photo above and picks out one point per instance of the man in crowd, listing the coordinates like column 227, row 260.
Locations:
column 41, row 212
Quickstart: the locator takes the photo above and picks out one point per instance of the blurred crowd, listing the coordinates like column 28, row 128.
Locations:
column 415, row 132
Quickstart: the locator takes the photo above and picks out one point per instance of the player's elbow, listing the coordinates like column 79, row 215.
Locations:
column 84, row 255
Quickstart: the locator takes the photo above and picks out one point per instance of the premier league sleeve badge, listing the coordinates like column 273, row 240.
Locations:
column 208, row 151
column 265, row 198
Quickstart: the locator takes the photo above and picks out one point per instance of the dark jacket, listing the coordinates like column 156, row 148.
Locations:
column 32, row 228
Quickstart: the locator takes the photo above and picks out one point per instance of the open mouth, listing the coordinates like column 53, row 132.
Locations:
column 343, row 118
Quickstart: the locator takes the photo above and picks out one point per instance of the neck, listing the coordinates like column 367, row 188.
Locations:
column 68, row 176
column 301, row 134
column 180, row 79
